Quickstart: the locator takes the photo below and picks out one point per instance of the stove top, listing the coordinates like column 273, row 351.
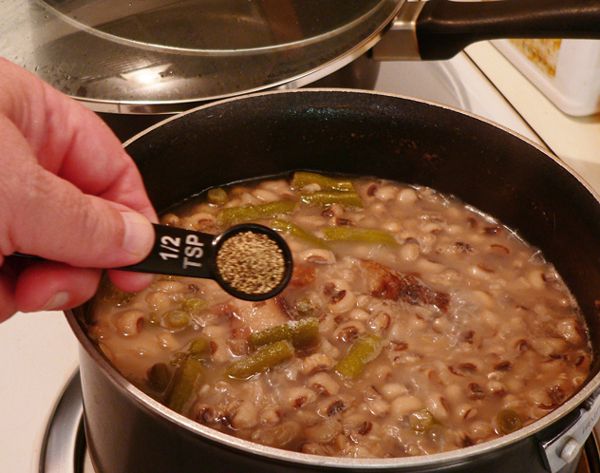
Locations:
column 39, row 353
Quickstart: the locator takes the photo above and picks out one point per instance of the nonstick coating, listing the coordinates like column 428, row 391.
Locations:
column 357, row 133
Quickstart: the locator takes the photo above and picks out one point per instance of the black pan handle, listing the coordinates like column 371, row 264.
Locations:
column 444, row 28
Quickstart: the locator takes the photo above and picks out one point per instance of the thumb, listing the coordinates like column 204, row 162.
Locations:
column 58, row 222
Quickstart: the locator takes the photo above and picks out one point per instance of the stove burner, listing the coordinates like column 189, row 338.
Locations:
column 65, row 450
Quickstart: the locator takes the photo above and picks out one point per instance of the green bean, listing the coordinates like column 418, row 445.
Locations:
column 264, row 358
column 508, row 421
column 360, row 235
column 347, row 199
column 159, row 376
column 365, row 349
column 303, row 178
column 194, row 305
column 298, row 232
column 217, row 196
column 186, row 377
column 175, row 319
column 302, row 333
column 199, row 348
column 232, row 215
column 421, row 420
column 305, row 307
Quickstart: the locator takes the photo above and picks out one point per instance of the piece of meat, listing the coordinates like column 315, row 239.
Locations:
column 384, row 283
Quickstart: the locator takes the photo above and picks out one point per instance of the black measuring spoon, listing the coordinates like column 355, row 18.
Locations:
column 182, row 252
column 193, row 254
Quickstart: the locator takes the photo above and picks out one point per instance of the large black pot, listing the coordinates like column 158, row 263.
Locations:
column 366, row 134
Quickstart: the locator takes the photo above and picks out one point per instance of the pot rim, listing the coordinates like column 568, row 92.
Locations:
column 454, row 456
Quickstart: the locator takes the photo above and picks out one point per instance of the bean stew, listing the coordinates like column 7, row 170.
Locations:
column 413, row 324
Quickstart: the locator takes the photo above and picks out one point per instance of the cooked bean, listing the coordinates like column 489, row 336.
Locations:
column 404, row 405
column 130, row 322
column 324, row 384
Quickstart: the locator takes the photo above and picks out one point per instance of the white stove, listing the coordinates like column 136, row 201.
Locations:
column 38, row 353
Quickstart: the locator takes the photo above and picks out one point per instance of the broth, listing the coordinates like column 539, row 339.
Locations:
column 413, row 324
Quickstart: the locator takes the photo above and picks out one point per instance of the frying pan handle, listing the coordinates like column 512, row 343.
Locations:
column 445, row 27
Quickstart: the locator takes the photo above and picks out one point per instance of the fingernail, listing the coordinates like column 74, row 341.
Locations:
column 57, row 301
column 139, row 235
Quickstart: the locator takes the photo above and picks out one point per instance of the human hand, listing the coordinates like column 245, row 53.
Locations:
column 69, row 193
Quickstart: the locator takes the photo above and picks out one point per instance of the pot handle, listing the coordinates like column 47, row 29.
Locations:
column 564, row 447
column 439, row 29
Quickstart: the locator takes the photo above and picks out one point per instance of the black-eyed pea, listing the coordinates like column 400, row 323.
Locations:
column 514, row 384
column 410, row 251
column 404, row 405
column 349, row 331
column 329, row 349
column 279, row 436
column 454, row 393
column 199, row 221
column 245, row 416
column 483, row 298
column 278, row 186
column 359, row 314
column 441, row 325
column 317, row 362
column 299, row 396
column 386, row 193
column 170, row 286
column 378, row 407
column 380, row 323
column 425, row 266
column 270, row 415
column 407, row 196
column 477, row 272
column 391, row 391
column 170, row 219
column 167, row 341
column 578, row 380
column 466, row 411
column 324, row 384
column 342, row 299
column 392, row 226
column 323, row 432
column 159, row 301
column 129, row 322
column 265, row 195
column 536, row 279
column 479, row 430
column 491, row 319
column 438, row 405
column 569, row 330
column 317, row 256
column 382, row 372
column 248, row 199
column 496, row 387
